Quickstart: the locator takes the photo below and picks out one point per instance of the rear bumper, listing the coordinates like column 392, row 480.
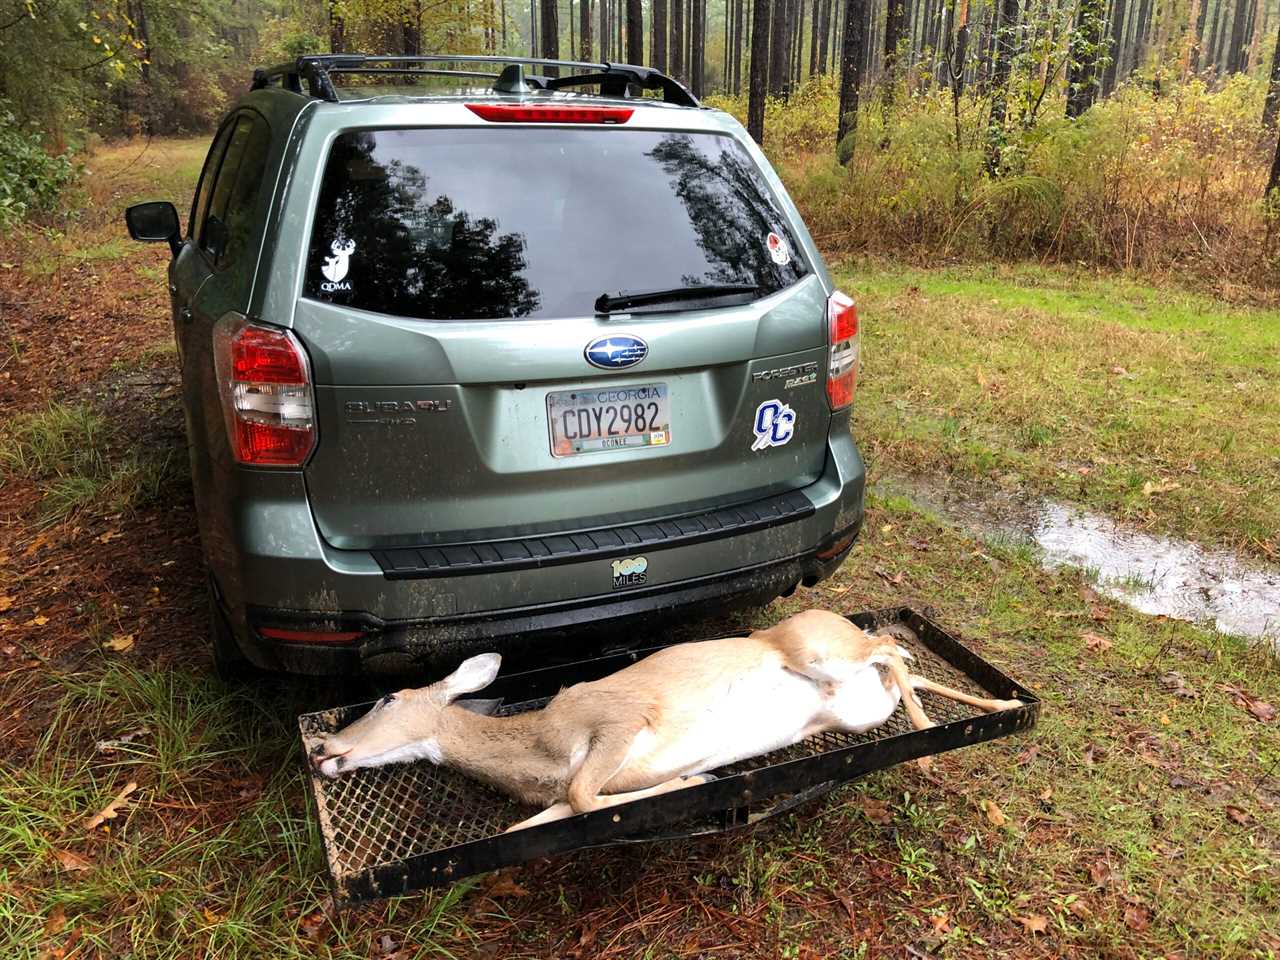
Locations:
column 273, row 569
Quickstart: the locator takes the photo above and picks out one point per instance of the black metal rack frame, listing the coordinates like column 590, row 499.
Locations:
column 394, row 829
column 616, row 80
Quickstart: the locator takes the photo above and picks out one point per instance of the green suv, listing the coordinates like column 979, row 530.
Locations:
column 475, row 368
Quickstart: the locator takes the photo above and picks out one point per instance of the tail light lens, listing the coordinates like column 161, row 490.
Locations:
column 842, row 366
column 267, row 402
column 539, row 113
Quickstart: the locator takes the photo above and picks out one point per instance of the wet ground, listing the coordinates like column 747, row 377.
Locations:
column 1155, row 575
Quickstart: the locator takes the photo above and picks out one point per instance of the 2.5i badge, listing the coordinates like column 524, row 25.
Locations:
column 630, row 572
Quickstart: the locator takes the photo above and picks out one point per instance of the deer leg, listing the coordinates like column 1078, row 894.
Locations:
column 919, row 719
column 559, row 811
column 918, row 682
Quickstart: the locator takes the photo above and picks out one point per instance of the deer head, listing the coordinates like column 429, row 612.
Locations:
column 402, row 726
column 343, row 248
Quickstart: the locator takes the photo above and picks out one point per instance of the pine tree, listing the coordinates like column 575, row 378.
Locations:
column 758, row 80
column 855, row 20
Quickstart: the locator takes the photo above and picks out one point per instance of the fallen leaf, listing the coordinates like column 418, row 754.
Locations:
column 1164, row 486
column 56, row 921
column 1034, row 924
column 504, row 886
column 1100, row 872
column 1096, row 641
column 1046, row 794
column 896, row 579
column 1164, row 720
column 1262, row 710
column 1176, row 684
column 941, row 923
column 994, row 814
column 1119, row 371
column 111, row 809
column 111, row 746
column 877, row 811
column 1079, row 908
column 1099, row 613
column 119, row 643
column 109, row 536
column 5, row 603
column 72, row 862
column 1238, row 814
column 1137, row 917
column 37, row 621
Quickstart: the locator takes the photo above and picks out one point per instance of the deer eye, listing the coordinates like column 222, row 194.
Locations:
column 389, row 698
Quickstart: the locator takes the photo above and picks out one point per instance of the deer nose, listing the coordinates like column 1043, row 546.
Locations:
column 327, row 750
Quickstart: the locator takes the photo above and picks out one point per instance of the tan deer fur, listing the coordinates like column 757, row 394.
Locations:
column 654, row 726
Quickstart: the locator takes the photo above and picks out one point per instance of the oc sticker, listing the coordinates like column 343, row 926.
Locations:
column 630, row 572
column 774, row 426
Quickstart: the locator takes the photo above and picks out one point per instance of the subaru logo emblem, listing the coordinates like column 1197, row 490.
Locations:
column 616, row 351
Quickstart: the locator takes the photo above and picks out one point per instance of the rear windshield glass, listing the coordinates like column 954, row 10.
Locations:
column 520, row 222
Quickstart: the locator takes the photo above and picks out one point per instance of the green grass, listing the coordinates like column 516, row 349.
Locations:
column 217, row 852
column 63, row 451
column 1127, row 797
column 1150, row 404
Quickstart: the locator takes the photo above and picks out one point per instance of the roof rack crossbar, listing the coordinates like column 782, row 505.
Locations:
column 614, row 78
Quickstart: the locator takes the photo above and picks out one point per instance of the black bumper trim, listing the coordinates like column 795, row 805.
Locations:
column 496, row 556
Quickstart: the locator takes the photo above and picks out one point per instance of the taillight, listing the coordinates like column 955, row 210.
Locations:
column 265, row 383
column 842, row 366
column 546, row 113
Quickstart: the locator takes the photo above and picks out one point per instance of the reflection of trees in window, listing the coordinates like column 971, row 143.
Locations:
column 413, row 258
column 729, row 209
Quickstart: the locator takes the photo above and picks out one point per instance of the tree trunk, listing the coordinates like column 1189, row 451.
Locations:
column 1006, row 47
column 1257, row 23
column 1238, row 19
column 1083, row 48
column 735, row 69
column 1273, row 180
column 660, row 35
column 822, row 23
column 855, row 19
column 758, row 79
column 635, row 32
column 778, row 48
column 550, row 37
column 697, row 45
column 1115, row 34
column 584, row 28
column 337, row 29
column 1271, row 108
column 677, row 39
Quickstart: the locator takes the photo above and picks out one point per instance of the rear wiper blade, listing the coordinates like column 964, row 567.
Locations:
column 629, row 299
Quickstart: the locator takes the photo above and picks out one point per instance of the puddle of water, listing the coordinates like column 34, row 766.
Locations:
column 1155, row 575
column 1160, row 575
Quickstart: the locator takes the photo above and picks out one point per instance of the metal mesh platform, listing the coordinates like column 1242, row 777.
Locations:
column 404, row 826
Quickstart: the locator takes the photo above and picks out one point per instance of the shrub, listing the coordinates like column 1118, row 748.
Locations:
column 1164, row 182
column 31, row 180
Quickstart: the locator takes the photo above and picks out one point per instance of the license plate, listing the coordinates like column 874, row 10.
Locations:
column 590, row 420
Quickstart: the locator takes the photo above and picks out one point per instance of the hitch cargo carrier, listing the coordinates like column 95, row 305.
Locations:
column 394, row 829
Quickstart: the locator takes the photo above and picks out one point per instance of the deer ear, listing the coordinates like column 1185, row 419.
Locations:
column 473, row 674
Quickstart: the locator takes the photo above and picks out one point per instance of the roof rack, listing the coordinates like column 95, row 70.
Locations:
column 615, row 79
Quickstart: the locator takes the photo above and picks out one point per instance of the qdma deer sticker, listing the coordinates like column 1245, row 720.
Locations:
column 336, row 266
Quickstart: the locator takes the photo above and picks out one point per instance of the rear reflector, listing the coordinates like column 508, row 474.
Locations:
column 842, row 366
column 265, row 384
column 310, row 636
column 545, row 113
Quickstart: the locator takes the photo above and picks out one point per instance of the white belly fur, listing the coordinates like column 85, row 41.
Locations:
column 754, row 715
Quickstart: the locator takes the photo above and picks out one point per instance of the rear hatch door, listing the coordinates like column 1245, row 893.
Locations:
column 471, row 382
